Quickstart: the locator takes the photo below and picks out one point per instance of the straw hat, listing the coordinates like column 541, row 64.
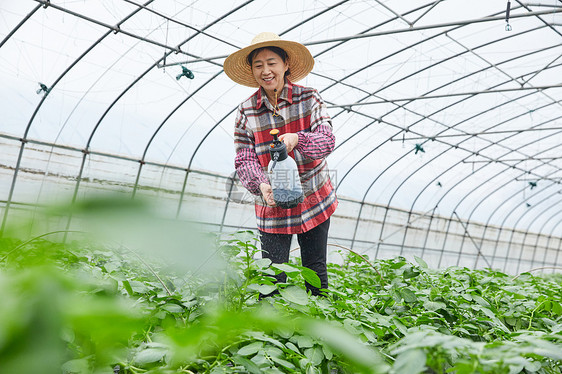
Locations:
column 299, row 59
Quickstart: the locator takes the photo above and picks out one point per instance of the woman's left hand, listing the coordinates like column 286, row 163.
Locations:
column 290, row 139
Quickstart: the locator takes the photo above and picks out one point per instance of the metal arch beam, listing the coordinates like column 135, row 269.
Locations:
column 198, row 31
column 436, row 63
column 381, row 174
column 426, row 117
column 511, row 78
column 427, row 67
column 501, row 226
column 525, row 235
column 451, row 188
column 468, row 93
column 117, row 29
column 142, row 161
column 356, row 72
column 559, row 243
column 421, row 137
column 536, row 245
column 509, row 167
column 206, row 135
column 86, row 150
column 344, row 176
column 425, row 239
column 410, row 212
column 226, row 116
column 20, row 24
column 222, row 119
column 455, row 165
column 427, row 11
column 28, row 127
column 493, row 143
column 412, row 29
column 550, row 236
column 423, row 117
column 526, row 6
column 442, row 86
column 559, row 247
column 340, row 81
column 487, row 224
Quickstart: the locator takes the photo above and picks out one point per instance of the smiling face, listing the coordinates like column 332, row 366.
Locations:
column 269, row 70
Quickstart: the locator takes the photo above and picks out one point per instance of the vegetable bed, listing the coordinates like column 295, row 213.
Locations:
column 84, row 307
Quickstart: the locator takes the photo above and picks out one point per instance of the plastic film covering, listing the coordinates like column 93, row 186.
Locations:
column 447, row 116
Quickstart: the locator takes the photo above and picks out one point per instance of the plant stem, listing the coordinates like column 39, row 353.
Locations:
column 535, row 269
column 35, row 238
column 533, row 313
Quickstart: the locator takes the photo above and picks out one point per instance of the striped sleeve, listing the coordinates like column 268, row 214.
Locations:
column 319, row 142
column 246, row 161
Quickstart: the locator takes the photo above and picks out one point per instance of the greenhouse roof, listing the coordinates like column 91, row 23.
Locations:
column 440, row 106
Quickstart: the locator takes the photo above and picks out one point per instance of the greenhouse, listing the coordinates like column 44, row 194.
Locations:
column 128, row 239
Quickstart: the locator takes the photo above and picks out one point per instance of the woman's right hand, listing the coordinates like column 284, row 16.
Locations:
column 267, row 194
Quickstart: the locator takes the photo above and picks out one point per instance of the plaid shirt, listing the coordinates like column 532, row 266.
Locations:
column 301, row 111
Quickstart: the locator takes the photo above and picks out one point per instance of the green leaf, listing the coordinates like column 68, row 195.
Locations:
column 365, row 359
column 248, row 364
column 315, row 355
column 311, row 277
column 295, row 295
column 303, row 341
column 480, row 301
column 433, row 305
column 149, row 355
column 173, row 308
column 273, row 351
column 263, row 263
column 410, row 273
column 327, row 352
column 421, row 262
column 488, row 312
column 250, row 349
column 292, row 347
column 408, row 295
column 282, row 362
column 556, row 308
column 266, row 289
column 400, row 326
column 245, row 236
column 288, row 269
column 79, row 366
column 411, row 361
column 127, row 287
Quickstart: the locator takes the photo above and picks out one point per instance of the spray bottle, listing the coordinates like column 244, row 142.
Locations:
column 284, row 175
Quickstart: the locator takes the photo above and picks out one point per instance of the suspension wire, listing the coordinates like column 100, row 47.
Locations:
column 475, row 134
column 452, row 94
column 427, row 11
column 405, row 30
column 396, row 14
column 180, row 23
column 117, row 29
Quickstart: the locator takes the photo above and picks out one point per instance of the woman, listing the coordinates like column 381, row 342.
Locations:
column 300, row 115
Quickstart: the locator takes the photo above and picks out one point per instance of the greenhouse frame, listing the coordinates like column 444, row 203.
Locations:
column 446, row 115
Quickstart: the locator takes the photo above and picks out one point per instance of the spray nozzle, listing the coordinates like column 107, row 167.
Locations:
column 277, row 150
column 276, row 140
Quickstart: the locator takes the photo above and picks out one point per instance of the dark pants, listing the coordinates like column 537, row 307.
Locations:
column 313, row 246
